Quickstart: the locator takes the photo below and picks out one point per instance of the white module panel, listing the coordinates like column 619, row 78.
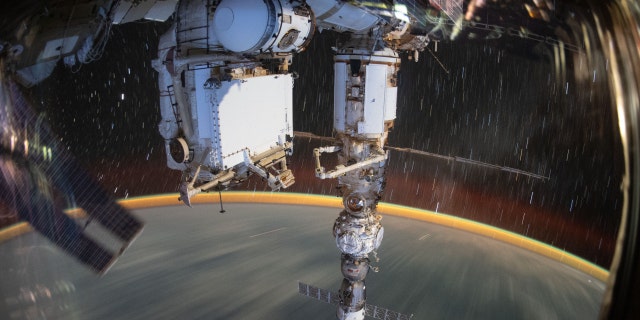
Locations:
column 352, row 17
column 58, row 47
column 254, row 114
column 343, row 15
column 390, row 102
column 374, row 100
column 155, row 10
column 340, row 96
column 204, row 106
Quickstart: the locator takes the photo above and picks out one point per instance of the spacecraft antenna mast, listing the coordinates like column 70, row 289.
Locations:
column 220, row 195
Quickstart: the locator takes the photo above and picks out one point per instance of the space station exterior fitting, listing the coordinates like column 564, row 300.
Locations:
column 365, row 94
column 226, row 91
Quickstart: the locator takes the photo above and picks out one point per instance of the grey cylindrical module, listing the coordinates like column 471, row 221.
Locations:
column 353, row 296
column 354, row 269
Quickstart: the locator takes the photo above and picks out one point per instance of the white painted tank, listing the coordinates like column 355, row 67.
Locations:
column 249, row 26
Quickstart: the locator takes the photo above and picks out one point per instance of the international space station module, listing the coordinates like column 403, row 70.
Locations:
column 226, row 104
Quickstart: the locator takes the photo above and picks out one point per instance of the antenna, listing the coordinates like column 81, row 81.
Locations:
column 220, row 195
column 436, row 58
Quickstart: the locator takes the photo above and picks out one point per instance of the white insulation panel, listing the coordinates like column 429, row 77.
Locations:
column 390, row 102
column 374, row 100
column 339, row 96
column 254, row 114
column 204, row 107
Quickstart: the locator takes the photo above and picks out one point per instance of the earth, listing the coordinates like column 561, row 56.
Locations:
column 196, row 263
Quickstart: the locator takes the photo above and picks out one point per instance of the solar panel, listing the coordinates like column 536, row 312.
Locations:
column 453, row 8
column 333, row 298
column 384, row 314
column 417, row 9
column 90, row 196
column 30, row 179
column 318, row 293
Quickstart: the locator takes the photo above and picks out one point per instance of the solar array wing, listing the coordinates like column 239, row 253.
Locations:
column 453, row 8
column 417, row 9
column 318, row 293
column 30, row 175
column 384, row 314
column 333, row 298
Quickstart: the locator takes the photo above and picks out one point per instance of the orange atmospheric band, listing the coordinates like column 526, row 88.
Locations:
column 335, row 202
